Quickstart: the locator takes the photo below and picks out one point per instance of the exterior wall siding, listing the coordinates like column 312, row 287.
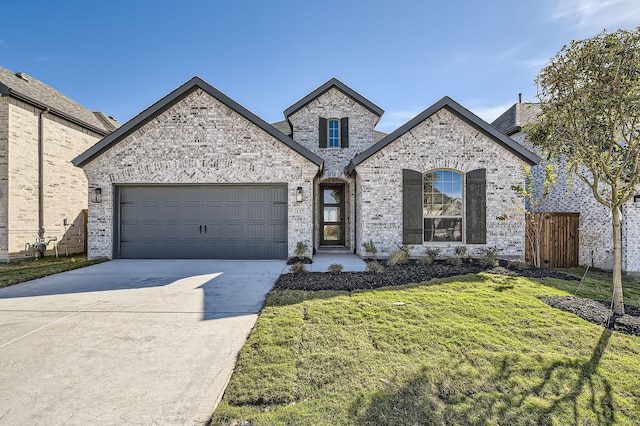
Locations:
column 596, row 230
column 65, row 186
column 443, row 141
column 198, row 140
column 4, row 177
column 335, row 104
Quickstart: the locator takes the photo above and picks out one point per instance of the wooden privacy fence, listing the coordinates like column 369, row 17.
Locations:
column 559, row 240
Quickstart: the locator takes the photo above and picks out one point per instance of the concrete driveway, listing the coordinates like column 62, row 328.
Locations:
column 127, row 342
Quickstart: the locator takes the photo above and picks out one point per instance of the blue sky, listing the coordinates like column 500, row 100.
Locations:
column 119, row 57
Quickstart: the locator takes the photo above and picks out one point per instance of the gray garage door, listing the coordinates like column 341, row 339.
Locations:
column 202, row 222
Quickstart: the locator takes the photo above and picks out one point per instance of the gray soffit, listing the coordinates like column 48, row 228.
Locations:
column 178, row 94
column 334, row 82
column 33, row 92
column 461, row 112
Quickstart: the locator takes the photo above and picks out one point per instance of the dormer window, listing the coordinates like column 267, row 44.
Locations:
column 333, row 132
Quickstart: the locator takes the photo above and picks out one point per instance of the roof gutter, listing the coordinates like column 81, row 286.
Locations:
column 7, row 91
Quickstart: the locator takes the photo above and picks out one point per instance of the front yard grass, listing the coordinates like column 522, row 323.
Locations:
column 476, row 349
column 30, row 269
column 598, row 285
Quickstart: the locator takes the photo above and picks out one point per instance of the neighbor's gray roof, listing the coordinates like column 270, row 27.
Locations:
column 334, row 82
column 461, row 112
column 34, row 92
column 513, row 120
column 175, row 96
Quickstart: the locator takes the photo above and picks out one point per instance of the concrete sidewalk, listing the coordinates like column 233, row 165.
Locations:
column 127, row 342
column 350, row 262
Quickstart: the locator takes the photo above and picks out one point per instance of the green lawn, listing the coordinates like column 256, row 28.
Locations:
column 30, row 269
column 477, row 349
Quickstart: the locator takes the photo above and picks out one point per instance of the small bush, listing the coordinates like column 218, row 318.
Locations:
column 374, row 267
column 298, row 268
column 461, row 251
column 370, row 248
column 432, row 253
column 335, row 268
column 301, row 249
column 398, row 257
column 425, row 260
column 488, row 260
column 454, row 261
column 517, row 265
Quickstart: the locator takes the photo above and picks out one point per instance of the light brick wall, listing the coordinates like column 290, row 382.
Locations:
column 442, row 141
column 596, row 231
column 4, row 176
column 199, row 140
column 65, row 186
column 335, row 104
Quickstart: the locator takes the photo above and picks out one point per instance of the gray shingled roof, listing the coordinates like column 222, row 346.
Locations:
column 334, row 82
column 177, row 95
column 34, row 92
column 461, row 112
column 513, row 120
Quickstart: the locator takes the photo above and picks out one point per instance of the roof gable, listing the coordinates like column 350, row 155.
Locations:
column 462, row 113
column 334, row 82
column 34, row 92
column 170, row 100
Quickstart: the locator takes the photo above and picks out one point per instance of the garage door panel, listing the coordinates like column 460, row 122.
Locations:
column 203, row 221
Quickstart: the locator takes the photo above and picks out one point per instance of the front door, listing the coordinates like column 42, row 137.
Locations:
column 332, row 215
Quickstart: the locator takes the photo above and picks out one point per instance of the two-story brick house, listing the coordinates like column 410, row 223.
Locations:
column 197, row 175
column 42, row 195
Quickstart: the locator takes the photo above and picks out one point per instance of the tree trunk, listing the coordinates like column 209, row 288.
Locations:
column 618, row 301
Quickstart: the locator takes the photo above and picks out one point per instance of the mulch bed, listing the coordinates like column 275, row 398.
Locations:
column 595, row 311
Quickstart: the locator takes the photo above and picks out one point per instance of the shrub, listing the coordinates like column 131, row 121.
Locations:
column 370, row 248
column 430, row 255
column 374, row 267
column 454, row 261
column 517, row 265
column 335, row 268
column 488, row 259
column 398, row 257
column 301, row 249
column 461, row 251
column 298, row 268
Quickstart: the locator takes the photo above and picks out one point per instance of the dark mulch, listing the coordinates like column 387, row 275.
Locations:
column 599, row 312
column 411, row 272
column 595, row 311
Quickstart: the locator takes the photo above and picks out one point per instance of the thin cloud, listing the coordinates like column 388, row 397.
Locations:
column 597, row 15
column 490, row 112
column 393, row 119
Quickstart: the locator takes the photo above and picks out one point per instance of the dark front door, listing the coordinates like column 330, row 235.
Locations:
column 332, row 214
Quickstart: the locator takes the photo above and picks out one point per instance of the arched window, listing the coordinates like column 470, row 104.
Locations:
column 443, row 205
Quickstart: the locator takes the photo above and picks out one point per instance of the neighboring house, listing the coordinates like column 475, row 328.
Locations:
column 42, row 195
column 574, row 196
column 197, row 175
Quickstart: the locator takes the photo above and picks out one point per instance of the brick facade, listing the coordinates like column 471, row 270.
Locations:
column 335, row 104
column 442, row 141
column 65, row 186
column 199, row 140
column 573, row 195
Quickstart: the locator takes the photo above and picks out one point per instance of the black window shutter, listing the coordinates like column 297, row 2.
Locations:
column 322, row 132
column 344, row 132
column 412, row 221
column 476, row 203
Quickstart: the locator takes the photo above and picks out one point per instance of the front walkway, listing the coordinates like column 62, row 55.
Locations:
column 349, row 262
